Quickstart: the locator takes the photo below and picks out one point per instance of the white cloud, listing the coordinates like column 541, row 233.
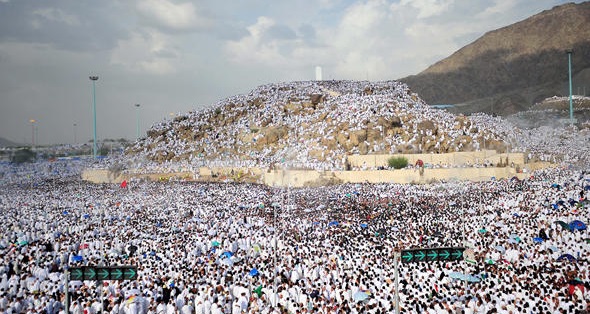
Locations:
column 427, row 8
column 182, row 16
column 372, row 39
column 56, row 15
column 146, row 52
column 253, row 48
column 363, row 17
column 498, row 7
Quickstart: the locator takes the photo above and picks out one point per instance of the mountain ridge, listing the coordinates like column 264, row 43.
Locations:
column 6, row 143
column 509, row 69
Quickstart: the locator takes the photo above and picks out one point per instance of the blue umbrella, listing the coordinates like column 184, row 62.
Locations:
column 227, row 262
column 86, row 216
column 537, row 240
column 360, row 296
column 254, row 272
column 457, row 275
column 471, row 278
column 577, row 225
column 364, row 225
column 158, row 224
column 227, row 254
column 514, row 238
column 333, row 223
column 569, row 257
column 65, row 212
column 77, row 258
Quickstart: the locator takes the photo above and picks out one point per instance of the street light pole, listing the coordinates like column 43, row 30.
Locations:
column 569, row 63
column 94, row 78
column 137, row 115
column 32, row 133
column 75, row 132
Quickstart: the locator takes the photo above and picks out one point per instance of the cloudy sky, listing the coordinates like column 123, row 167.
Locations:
column 176, row 55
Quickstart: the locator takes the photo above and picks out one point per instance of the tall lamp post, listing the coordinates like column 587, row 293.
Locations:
column 569, row 63
column 32, row 132
column 137, row 115
column 94, row 78
column 75, row 125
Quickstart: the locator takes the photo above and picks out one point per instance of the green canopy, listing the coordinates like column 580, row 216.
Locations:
column 258, row 291
column 563, row 224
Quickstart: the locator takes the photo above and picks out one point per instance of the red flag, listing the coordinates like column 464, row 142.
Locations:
column 124, row 184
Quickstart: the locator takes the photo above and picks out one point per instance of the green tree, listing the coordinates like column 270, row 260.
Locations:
column 23, row 155
column 103, row 150
column 397, row 162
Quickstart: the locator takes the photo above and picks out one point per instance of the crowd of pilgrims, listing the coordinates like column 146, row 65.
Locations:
column 247, row 248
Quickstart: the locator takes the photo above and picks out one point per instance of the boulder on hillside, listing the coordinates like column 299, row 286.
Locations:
column 329, row 143
column 363, row 148
column 341, row 138
column 374, row 135
column 396, row 122
column 316, row 98
column 155, row 133
column 272, row 135
column 344, row 126
column 499, row 146
column 357, row 137
column 427, row 125
column 317, row 154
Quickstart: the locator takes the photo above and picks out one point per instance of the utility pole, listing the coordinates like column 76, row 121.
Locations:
column 94, row 78
column 569, row 62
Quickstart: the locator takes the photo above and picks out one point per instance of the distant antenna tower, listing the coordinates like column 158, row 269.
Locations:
column 318, row 73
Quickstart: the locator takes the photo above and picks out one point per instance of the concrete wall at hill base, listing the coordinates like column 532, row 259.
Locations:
column 459, row 158
column 300, row 178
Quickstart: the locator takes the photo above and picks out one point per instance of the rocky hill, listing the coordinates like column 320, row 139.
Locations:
column 316, row 124
column 509, row 69
column 553, row 111
column 6, row 143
